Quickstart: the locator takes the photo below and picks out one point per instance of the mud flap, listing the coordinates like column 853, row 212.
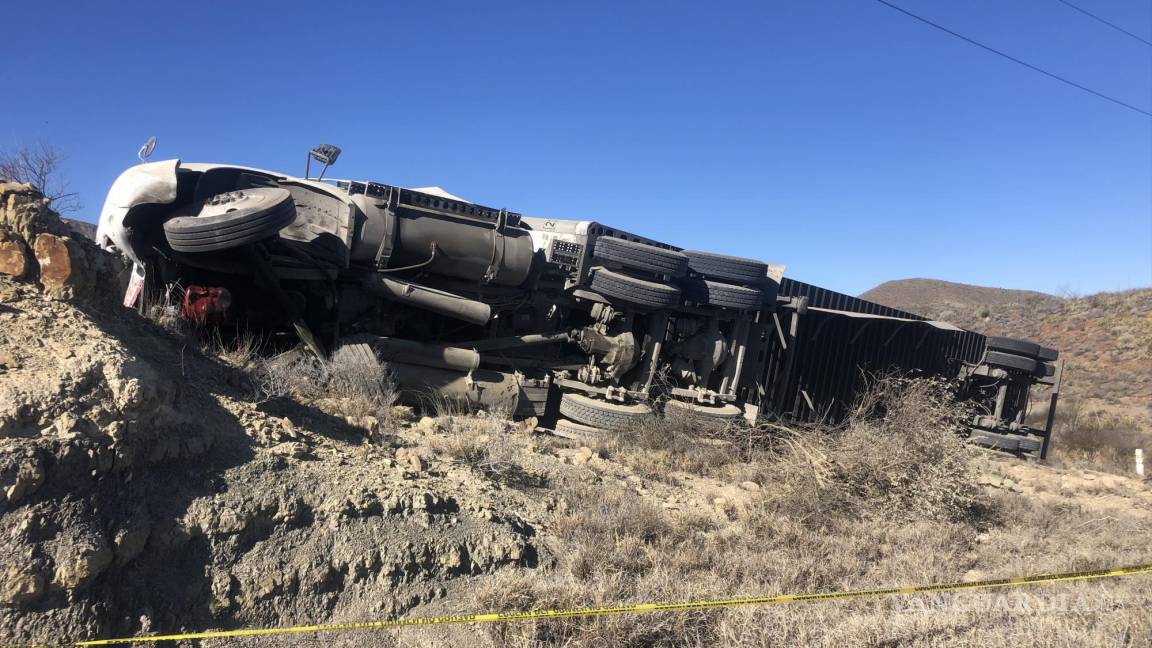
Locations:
column 135, row 286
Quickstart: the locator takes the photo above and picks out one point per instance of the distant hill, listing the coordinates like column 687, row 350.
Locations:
column 1106, row 338
column 950, row 301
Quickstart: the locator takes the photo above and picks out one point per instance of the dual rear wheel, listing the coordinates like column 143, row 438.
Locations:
column 642, row 274
column 587, row 417
column 1021, row 356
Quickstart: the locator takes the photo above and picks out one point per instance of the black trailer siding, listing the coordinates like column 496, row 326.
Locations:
column 835, row 352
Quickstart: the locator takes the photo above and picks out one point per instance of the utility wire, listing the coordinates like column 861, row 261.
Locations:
column 1014, row 59
column 1113, row 26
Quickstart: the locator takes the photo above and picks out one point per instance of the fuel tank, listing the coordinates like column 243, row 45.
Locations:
column 400, row 228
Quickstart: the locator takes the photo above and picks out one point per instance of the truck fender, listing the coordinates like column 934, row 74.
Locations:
column 149, row 183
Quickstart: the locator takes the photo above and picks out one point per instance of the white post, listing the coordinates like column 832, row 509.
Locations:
column 1139, row 462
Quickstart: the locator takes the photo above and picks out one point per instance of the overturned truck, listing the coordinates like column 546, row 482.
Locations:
column 583, row 325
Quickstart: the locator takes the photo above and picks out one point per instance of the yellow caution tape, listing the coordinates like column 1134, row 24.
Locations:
column 633, row 608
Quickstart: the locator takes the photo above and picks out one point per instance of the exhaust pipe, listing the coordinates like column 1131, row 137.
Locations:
column 437, row 301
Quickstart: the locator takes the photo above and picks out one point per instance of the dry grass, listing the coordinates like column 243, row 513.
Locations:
column 899, row 454
column 360, row 388
column 659, row 446
column 1098, row 439
column 240, row 351
column 488, row 443
column 361, row 392
column 886, row 500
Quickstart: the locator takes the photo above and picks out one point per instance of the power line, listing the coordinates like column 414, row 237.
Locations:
column 1014, row 59
column 1113, row 26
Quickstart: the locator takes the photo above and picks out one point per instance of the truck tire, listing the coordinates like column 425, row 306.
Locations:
column 725, row 412
column 998, row 441
column 727, row 268
column 714, row 293
column 615, row 285
column 1010, row 361
column 232, row 219
column 1009, row 442
column 1012, row 345
column 1048, row 355
column 600, row 413
column 641, row 256
column 1030, row 444
column 577, row 431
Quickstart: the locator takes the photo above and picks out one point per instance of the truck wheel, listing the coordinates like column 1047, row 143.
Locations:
column 997, row 441
column 714, row 293
column 615, row 285
column 1030, row 444
column 726, row 412
column 727, row 268
column 232, row 219
column 600, row 413
column 577, row 431
column 641, row 256
column 1012, row 345
column 1009, row 361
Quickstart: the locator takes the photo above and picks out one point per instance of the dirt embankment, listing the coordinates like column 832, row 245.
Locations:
column 143, row 487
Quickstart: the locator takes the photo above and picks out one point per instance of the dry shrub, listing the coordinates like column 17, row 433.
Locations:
column 906, row 463
column 1093, row 438
column 440, row 405
column 241, row 351
column 657, row 446
column 486, row 443
column 289, row 375
column 164, row 310
column 608, row 532
column 363, row 388
column 343, row 386
column 900, row 454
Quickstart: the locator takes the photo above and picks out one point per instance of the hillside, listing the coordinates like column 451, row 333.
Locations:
column 947, row 300
column 1106, row 338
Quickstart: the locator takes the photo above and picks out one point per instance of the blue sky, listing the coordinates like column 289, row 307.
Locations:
column 838, row 137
